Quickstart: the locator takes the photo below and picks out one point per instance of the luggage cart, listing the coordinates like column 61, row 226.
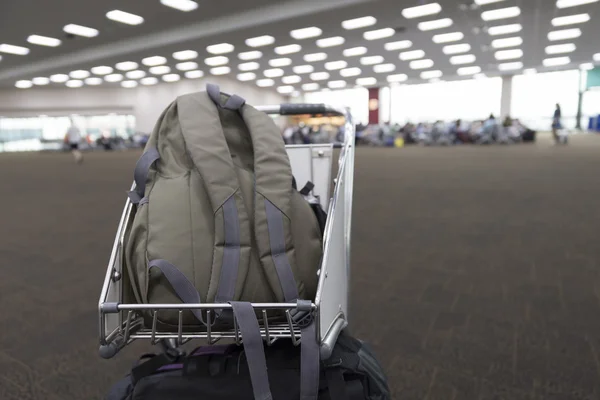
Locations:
column 121, row 323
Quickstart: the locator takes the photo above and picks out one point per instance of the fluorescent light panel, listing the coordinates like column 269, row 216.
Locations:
column 154, row 60
column 273, row 73
column 185, row 55
column 333, row 65
column 508, row 54
column 12, row 49
column 137, row 74
column 291, row 79
column 94, row 81
column 40, row 81
column 348, row 72
column 337, row 84
column 246, row 76
column 571, row 19
column 484, row 2
column 289, row 49
column 250, row 55
column 421, row 64
column 221, row 48
column 366, row 81
column 319, row 76
column 435, row 24
column 384, row 68
column 314, row 57
column 79, row 74
column 280, row 62
column 129, row 84
column 397, row 78
column 220, row 70
column 561, row 48
column 285, row 89
column 529, row 71
column 44, row 41
column 149, row 81
column 564, row 34
column 215, row 61
column 331, row 41
column 379, row 34
column 160, row 70
column 265, row 82
column 357, row 23
column 181, row 5
column 59, row 78
column 249, row 66
column 306, row 33
column 124, row 17
column 259, row 41
column 355, row 51
column 372, row 60
column 448, row 37
column 431, row 74
column 510, row 66
column 468, row 71
column 412, row 55
column 573, row 3
column 508, row 42
column 504, row 29
column 126, row 65
column 456, row 48
column 187, row 66
column 23, row 84
column 303, row 69
column 421, row 11
column 502, row 13
column 113, row 78
column 399, row 45
column 464, row 59
column 194, row 74
column 74, row 83
column 556, row 61
column 310, row 86
column 586, row 66
column 102, row 70
column 80, row 30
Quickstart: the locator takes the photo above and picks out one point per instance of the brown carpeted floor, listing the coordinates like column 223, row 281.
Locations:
column 475, row 270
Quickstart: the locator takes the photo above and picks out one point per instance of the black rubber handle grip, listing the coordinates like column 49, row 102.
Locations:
column 302, row 109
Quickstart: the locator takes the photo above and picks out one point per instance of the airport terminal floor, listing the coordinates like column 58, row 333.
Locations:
column 474, row 270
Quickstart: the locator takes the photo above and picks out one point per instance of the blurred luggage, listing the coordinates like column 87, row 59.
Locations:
column 221, row 372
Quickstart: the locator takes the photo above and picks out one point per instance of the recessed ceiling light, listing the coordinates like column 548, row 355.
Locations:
column 434, row 80
column 464, row 59
column 448, row 37
column 43, row 41
column 511, row 66
column 102, row 70
column 187, row 66
column 154, row 60
column 149, row 81
column 23, row 84
column 561, row 48
column 456, row 48
column 355, row 51
column 331, row 41
column 383, row 68
column 571, row 20
column 484, row 2
column 280, row 62
column 421, row 64
column 160, row 70
column 113, row 78
column 40, row 81
column 126, row 66
column 79, row 74
column 350, row 72
column 508, row 54
column 11, row 49
column 80, row 30
column 468, row 71
column 194, row 74
column 586, row 66
column 421, row 11
column 249, row 66
column 273, row 73
column 260, row 41
column 137, row 74
column 218, row 60
column 220, row 70
column 310, row 86
column 285, row 89
column 319, row 76
column 305, row 33
column 564, row 34
column 509, row 12
column 185, row 55
column 504, row 29
column 246, row 76
column 288, row 49
column 431, row 74
column 336, row 84
column 332, row 65
column 59, row 78
column 508, row 42
column 435, row 24
column 250, row 55
column 129, row 84
column 412, row 55
column 357, row 23
column 597, row 57
column 124, row 17
column 94, row 81
column 397, row 78
column 372, row 60
column 399, row 45
column 291, row 79
column 303, row 69
column 370, row 81
column 265, row 82
column 314, row 57
column 479, row 76
column 221, row 48
column 573, row 3
column 529, row 71
column 379, row 34
column 172, row 77
column 556, row 61
column 74, row 83
column 181, row 5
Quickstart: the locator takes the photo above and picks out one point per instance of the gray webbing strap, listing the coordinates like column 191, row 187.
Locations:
column 309, row 363
column 277, row 241
column 234, row 102
column 185, row 290
column 231, row 253
column 140, row 174
column 253, row 346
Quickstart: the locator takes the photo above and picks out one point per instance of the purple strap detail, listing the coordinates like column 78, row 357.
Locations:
column 209, row 350
column 170, row 367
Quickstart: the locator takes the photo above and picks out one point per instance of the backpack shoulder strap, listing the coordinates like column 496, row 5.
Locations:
column 207, row 147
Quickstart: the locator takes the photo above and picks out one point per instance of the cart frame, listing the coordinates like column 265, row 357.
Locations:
column 121, row 324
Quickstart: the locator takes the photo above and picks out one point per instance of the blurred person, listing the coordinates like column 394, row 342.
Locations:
column 74, row 139
column 556, row 123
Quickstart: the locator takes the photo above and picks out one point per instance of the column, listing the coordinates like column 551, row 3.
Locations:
column 374, row 106
column 506, row 99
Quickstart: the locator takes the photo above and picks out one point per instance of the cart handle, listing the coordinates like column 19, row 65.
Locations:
column 304, row 109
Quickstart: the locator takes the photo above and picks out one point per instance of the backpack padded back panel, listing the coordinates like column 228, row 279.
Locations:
column 219, row 208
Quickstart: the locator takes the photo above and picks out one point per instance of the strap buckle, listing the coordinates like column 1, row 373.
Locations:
column 302, row 315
